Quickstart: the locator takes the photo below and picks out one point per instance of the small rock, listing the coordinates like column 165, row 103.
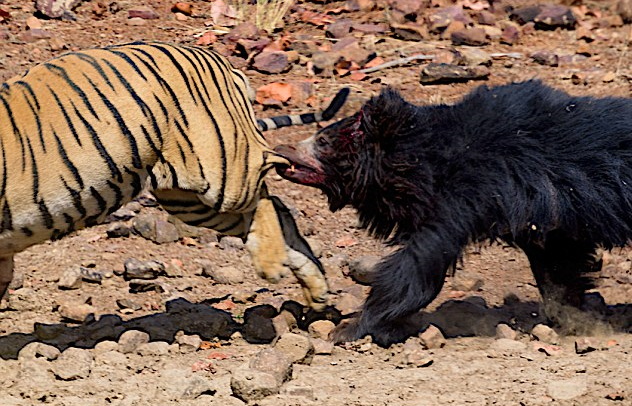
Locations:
column 362, row 270
column 284, row 322
column 432, row 338
column 271, row 62
column 226, row 275
column 251, row 384
column 322, row 347
column 567, row 389
column 144, row 12
column 135, row 269
column 145, row 226
column 510, row 35
column 189, row 343
column 546, row 58
column 548, row 349
column 153, row 348
column 184, row 8
column 441, row 19
column 131, row 340
column 339, row 29
column 55, row 8
column 231, row 244
column 445, row 73
column 504, row 331
column 545, row 334
column 37, row 350
column 486, row 18
column 417, row 358
column 553, row 16
column 321, row 329
column 349, row 48
column 274, row 362
column 174, row 269
column 624, row 9
column 118, row 230
column 33, row 23
column 609, row 77
column 105, row 346
column 297, row 348
column 74, row 363
column 258, row 327
column 76, row 312
column 472, row 57
column 122, row 214
column 471, row 36
column 525, row 15
column 586, row 344
column 71, row 278
column 165, row 232
column 197, row 386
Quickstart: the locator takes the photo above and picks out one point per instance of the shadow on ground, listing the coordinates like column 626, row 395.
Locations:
column 470, row 317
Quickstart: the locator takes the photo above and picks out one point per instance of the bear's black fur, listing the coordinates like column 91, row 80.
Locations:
column 524, row 163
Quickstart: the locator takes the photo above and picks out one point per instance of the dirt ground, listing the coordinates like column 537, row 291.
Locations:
column 493, row 284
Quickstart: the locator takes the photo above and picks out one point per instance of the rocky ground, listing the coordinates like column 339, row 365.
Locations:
column 143, row 311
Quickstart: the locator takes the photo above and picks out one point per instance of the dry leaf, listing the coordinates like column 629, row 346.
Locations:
column 278, row 91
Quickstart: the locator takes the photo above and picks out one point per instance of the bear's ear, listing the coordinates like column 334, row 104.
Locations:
column 384, row 115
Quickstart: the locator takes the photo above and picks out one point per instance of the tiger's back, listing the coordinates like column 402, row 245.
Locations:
column 80, row 134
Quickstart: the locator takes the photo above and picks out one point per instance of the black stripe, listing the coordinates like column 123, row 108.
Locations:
column 166, row 87
column 27, row 231
column 174, row 175
column 281, row 121
column 64, row 156
column 152, row 178
column 122, row 126
column 38, row 122
column 229, row 227
column 48, row 219
column 186, row 138
column 71, row 126
column 95, row 64
column 152, row 145
column 35, row 172
column 139, row 101
column 262, row 125
column 30, row 91
column 77, row 201
column 203, row 220
column 148, row 55
column 82, row 95
column 3, row 188
column 99, row 146
column 118, row 195
column 102, row 205
column 136, row 183
column 164, row 112
column 71, row 223
column 307, row 118
column 7, row 220
column 15, row 130
column 177, row 65
column 129, row 60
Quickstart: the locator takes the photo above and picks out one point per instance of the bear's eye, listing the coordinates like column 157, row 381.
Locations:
column 321, row 142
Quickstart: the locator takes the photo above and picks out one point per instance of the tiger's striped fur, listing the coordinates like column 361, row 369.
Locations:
column 80, row 134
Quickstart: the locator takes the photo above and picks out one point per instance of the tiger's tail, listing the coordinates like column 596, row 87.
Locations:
column 273, row 123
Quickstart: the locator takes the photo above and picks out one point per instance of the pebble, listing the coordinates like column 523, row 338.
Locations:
column 348, row 303
column 586, row 344
column 131, row 340
column 71, row 278
column 36, row 350
column 446, row 73
column 143, row 12
column 105, row 346
column 154, row 348
column 362, row 269
column 251, row 384
column 466, row 281
column 297, row 348
column 135, row 269
column 226, row 275
column 504, row 331
column 73, row 363
column 274, row 362
column 271, row 62
column 76, row 312
column 321, row 329
column 296, row 390
column 128, row 304
column 322, row 347
column 432, row 338
column 545, row 334
column 567, row 389
column 258, row 326
column 188, row 343
column 470, row 36
column 118, row 230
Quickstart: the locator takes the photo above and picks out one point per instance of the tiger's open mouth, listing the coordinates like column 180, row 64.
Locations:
column 304, row 170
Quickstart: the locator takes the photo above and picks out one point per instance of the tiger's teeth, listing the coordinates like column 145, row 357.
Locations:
column 292, row 169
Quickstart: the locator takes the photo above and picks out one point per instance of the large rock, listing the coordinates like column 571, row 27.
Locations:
column 297, row 348
column 74, row 363
column 250, row 384
column 274, row 362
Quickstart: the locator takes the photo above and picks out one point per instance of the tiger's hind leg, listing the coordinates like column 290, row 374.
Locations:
column 6, row 274
column 273, row 235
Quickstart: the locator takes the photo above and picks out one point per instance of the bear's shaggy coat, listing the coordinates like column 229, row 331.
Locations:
column 523, row 163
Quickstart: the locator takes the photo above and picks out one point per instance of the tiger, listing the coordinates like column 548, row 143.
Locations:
column 86, row 132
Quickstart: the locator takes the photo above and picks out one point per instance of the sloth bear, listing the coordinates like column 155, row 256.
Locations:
column 523, row 163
